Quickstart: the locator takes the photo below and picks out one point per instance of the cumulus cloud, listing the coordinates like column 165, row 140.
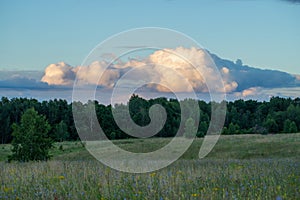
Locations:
column 250, row 92
column 225, row 70
column 64, row 74
column 167, row 67
column 172, row 69
column 59, row 74
column 230, row 86
column 90, row 75
column 179, row 61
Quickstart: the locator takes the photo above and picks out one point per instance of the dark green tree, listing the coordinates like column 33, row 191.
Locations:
column 30, row 138
column 203, row 126
column 293, row 128
column 138, row 108
column 60, row 131
column 233, row 129
column 271, row 125
column 290, row 126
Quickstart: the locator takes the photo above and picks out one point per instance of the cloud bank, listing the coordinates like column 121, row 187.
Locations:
column 176, row 67
column 251, row 81
column 240, row 81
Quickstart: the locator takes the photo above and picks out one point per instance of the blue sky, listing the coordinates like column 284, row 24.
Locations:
column 263, row 34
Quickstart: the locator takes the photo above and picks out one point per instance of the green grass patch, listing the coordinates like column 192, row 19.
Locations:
column 228, row 147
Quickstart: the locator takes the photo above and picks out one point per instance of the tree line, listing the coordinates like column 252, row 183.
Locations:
column 278, row 115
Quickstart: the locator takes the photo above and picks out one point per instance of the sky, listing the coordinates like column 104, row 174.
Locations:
column 44, row 44
column 34, row 34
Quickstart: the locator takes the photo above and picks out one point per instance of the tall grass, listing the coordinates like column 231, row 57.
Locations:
column 185, row 179
column 251, row 175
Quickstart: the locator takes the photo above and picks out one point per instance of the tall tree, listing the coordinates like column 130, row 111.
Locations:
column 60, row 132
column 290, row 126
column 271, row 125
column 30, row 138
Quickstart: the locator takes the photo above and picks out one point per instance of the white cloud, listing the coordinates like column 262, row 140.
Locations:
column 225, row 70
column 59, row 74
column 250, row 91
column 230, row 86
column 91, row 75
column 167, row 67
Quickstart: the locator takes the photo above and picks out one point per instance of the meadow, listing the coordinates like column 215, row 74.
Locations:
column 239, row 167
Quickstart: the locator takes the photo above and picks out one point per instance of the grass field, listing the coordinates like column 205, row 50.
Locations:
column 239, row 167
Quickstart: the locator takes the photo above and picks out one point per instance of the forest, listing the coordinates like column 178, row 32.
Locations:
column 278, row 115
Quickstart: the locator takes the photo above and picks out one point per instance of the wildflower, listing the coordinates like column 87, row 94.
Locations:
column 107, row 170
column 195, row 195
column 278, row 187
column 240, row 167
column 226, row 193
column 7, row 189
column 152, row 174
column 278, row 198
column 61, row 177
column 179, row 172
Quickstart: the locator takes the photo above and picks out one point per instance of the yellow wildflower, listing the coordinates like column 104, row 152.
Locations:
column 7, row 189
column 179, row 172
column 278, row 187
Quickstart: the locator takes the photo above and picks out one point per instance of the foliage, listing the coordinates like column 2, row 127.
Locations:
column 30, row 139
column 203, row 127
column 60, row 131
column 289, row 126
column 271, row 125
column 243, row 117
